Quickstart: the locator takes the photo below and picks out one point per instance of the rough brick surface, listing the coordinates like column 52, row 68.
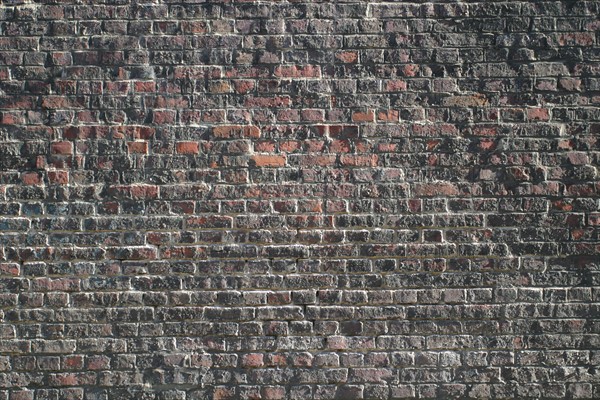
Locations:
column 299, row 199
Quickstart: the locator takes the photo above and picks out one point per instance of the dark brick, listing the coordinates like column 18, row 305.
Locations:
column 298, row 200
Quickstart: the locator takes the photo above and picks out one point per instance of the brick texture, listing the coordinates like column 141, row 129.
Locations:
column 299, row 199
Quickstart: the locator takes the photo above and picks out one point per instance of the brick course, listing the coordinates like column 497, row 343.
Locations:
column 299, row 199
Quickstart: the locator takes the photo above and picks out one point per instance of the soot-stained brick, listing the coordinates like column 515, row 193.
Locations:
column 299, row 200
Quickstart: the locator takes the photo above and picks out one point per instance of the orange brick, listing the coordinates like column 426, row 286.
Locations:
column 137, row 147
column 368, row 116
column 268, row 160
column 538, row 114
column 388, row 115
column 188, row 148
column 359, row 160
column 347, row 56
column 219, row 87
column 62, row 148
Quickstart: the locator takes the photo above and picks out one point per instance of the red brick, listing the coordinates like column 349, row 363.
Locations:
column 109, row 207
column 340, row 146
column 20, row 102
column 288, row 115
column 21, row 395
column 388, row 116
column 487, row 144
column 410, row 70
column 164, row 117
column 290, row 146
column 144, row 191
column 436, row 189
column 309, row 160
column 31, row 178
column 312, row 115
column 91, row 132
column 252, row 360
column 571, row 84
column 265, row 146
column 192, row 117
column 62, row 102
column 158, row 238
column 214, row 221
column 273, row 393
column 236, row 131
column 183, row 207
column 213, row 116
column 296, row 71
column 58, row 177
column 275, row 360
column 138, row 191
column 342, row 131
column 72, row 379
column 485, row 131
column 145, row 87
column 194, row 26
column 395, row 86
column 578, row 158
column 266, row 102
column 11, row 118
column 219, row 87
column 96, row 362
column 73, row 362
column 576, row 39
column 475, row 100
column 314, row 146
column 224, row 393
column 337, row 343
column 60, row 284
column 117, row 88
column 10, row 269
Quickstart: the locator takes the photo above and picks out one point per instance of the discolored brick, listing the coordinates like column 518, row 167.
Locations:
column 299, row 200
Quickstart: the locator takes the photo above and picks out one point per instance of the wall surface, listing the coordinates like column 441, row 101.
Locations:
column 299, row 200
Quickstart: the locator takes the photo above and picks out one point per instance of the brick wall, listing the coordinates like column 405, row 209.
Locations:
column 299, row 200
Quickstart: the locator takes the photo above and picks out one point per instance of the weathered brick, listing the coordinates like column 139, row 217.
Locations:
column 58, row 177
column 299, row 200
column 187, row 147
column 235, row 131
column 269, row 160
column 61, row 148
column 298, row 71
column 31, row 178
column 137, row 147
